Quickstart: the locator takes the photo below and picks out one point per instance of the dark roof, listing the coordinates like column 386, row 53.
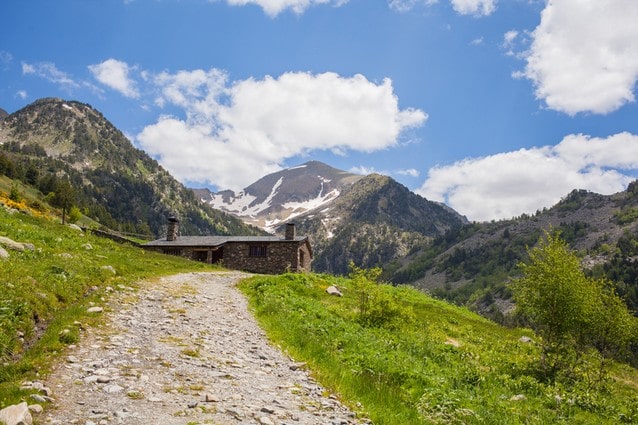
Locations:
column 183, row 241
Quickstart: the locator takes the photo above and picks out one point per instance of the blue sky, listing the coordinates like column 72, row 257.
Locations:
column 496, row 108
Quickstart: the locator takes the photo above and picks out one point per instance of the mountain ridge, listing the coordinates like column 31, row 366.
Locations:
column 53, row 140
column 344, row 214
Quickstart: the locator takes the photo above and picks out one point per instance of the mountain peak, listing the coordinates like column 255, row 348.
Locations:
column 283, row 195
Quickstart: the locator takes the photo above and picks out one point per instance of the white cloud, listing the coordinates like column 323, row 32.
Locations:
column 22, row 94
column 584, row 55
column 407, row 5
column 50, row 72
column 236, row 132
column 275, row 7
column 477, row 41
column 363, row 170
column 509, row 184
column 410, row 172
column 115, row 74
column 474, row 7
column 508, row 41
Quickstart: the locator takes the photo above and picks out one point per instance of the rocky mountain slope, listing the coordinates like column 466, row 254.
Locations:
column 371, row 220
column 53, row 140
column 473, row 264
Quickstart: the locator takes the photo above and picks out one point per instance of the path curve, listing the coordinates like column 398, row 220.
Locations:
column 184, row 349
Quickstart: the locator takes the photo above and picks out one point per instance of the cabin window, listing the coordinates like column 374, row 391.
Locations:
column 257, row 250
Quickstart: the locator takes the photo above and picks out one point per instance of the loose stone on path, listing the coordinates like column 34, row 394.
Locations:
column 186, row 351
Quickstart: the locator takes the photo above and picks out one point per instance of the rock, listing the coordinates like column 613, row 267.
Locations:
column 36, row 408
column 3, row 253
column 11, row 244
column 210, row 398
column 237, row 413
column 525, row 339
column 94, row 310
column 297, row 366
column 113, row 389
column 74, row 226
column 17, row 414
column 87, row 246
column 265, row 420
column 333, row 290
column 38, row 398
column 109, row 269
column 518, row 397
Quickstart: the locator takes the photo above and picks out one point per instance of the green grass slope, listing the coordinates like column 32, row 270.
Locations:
column 401, row 357
column 45, row 289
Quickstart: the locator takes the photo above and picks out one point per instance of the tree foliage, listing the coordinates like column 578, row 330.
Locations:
column 570, row 311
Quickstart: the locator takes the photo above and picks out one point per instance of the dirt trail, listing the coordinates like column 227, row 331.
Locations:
column 185, row 350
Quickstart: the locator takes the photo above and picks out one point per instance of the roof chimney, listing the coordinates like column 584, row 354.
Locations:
column 290, row 231
column 173, row 229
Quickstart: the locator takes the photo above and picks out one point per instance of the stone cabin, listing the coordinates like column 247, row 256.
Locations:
column 255, row 254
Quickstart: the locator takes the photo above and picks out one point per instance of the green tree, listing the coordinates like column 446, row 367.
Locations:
column 64, row 197
column 570, row 311
column 612, row 326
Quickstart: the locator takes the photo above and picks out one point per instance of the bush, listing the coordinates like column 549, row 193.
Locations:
column 74, row 215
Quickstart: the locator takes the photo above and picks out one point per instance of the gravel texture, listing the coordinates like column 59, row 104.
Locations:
column 185, row 349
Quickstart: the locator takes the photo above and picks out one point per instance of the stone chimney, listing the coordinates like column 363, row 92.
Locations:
column 173, row 229
column 290, row 231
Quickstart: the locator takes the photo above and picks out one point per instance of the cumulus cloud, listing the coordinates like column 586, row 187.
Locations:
column 21, row 94
column 474, row 7
column 50, row 72
column 275, row 7
column 235, row 132
column 584, row 55
column 509, row 184
column 115, row 74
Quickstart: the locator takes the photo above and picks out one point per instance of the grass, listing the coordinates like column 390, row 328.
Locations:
column 436, row 363
column 45, row 292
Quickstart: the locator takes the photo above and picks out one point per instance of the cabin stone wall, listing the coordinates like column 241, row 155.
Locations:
column 272, row 258
column 278, row 257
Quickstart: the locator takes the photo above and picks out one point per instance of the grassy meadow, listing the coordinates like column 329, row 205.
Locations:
column 45, row 291
column 393, row 354
column 401, row 357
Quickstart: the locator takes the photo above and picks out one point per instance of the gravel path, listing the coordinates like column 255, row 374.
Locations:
column 185, row 350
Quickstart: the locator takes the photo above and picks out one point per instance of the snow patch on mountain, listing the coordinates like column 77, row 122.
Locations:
column 236, row 204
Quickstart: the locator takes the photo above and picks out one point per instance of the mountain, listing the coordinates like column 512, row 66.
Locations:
column 472, row 265
column 284, row 195
column 3, row 114
column 52, row 141
column 371, row 220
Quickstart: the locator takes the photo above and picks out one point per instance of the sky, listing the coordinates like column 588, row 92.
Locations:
column 495, row 107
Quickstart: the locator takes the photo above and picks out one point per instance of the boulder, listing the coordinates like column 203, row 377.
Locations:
column 3, row 253
column 17, row 414
column 11, row 244
column 74, row 227
column 333, row 290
